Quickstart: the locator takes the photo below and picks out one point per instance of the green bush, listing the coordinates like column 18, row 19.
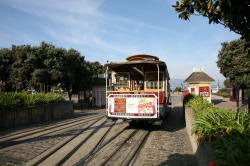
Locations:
column 232, row 150
column 216, row 123
column 187, row 98
column 177, row 89
column 224, row 92
column 247, row 93
column 199, row 105
column 227, row 130
column 10, row 100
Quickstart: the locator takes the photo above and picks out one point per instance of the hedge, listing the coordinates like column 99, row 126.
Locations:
column 10, row 100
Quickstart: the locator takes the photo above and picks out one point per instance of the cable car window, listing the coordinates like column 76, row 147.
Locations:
column 152, row 80
column 121, row 81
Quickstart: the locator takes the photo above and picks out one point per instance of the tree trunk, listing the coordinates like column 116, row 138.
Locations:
column 248, row 104
column 237, row 98
column 84, row 95
column 70, row 95
column 49, row 88
column 242, row 96
column 78, row 96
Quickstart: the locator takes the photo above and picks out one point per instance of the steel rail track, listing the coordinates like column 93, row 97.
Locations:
column 85, row 160
column 79, row 145
column 9, row 143
column 97, row 146
column 119, row 147
column 132, row 158
column 66, row 142
column 135, row 154
column 43, row 125
column 41, row 129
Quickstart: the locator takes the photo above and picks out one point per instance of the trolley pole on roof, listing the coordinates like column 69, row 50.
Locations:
column 106, row 76
column 158, row 86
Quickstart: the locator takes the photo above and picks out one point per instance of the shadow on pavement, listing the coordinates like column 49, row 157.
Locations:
column 174, row 120
column 73, row 132
column 217, row 101
column 180, row 160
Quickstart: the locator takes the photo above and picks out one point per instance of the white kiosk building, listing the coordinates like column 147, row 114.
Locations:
column 199, row 83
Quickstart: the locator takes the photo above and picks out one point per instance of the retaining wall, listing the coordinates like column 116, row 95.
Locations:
column 35, row 114
column 202, row 150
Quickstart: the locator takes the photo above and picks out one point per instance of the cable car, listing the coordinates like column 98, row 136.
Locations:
column 137, row 89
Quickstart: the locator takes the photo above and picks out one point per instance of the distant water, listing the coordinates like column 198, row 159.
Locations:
column 177, row 83
column 180, row 83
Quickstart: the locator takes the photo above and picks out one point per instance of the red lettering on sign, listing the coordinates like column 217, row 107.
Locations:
column 204, row 91
column 120, row 105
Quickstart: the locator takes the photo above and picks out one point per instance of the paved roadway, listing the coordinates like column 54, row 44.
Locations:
column 49, row 143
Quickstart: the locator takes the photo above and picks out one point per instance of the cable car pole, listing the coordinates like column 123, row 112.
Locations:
column 158, row 86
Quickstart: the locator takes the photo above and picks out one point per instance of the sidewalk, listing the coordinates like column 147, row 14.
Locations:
column 224, row 103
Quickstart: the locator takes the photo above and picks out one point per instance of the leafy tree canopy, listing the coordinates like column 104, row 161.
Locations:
column 177, row 89
column 44, row 66
column 234, row 62
column 233, row 14
column 227, row 83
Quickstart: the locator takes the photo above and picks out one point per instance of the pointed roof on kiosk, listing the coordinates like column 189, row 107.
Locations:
column 199, row 76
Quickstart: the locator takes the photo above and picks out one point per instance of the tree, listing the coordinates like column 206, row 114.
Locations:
column 177, row 89
column 227, row 83
column 234, row 63
column 94, row 68
column 44, row 66
column 233, row 14
column 5, row 68
column 20, row 69
column 75, row 75
column 48, row 61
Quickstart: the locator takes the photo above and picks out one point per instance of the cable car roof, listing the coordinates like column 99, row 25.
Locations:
column 140, row 59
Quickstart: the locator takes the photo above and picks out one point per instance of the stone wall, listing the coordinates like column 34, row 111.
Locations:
column 202, row 150
column 35, row 114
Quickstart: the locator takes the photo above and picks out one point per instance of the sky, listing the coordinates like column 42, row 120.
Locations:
column 111, row 30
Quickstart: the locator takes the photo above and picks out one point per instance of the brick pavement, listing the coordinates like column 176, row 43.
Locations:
column 28, row 149
column 170, row 144
column 166, row 145
column 223, row 103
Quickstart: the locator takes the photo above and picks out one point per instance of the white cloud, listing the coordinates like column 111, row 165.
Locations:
column 82, row 22
column 85, row 23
